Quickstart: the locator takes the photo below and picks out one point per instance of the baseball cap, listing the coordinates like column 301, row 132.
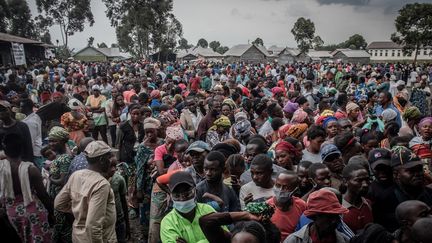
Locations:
column 97, row 148
column 198, row 146
column 327, row 150
column 179, row 178
column 405, row 158
column 379, row 156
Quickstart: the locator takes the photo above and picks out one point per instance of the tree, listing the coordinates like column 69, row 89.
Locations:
column 214, row 45
column 102, row 45
column 46, row 38
column 90, row 41
column 4, row 15
column 356, row 42
column 258, row 41
column 414, row 27
column 183, row 44
column 20, row 19
column 70, row 15
column 317, row 42
column 202, row 42
column 304, row 33
column 222, row 49
column 144, row 25
column 114, row 45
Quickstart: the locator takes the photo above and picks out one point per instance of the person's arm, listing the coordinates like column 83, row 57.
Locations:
column 96, row 213
column 123, row 191
column 36, row 182
column 211, row 224
column 63, row 200
column 27, row 153
column 158, row 160
column 119, row 140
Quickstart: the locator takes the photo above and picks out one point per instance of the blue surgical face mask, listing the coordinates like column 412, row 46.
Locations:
column 184, row 206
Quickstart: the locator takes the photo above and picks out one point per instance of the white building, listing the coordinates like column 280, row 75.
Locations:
column 388, row 51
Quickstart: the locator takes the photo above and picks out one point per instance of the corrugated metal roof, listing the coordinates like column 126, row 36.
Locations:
column 383, row 45
column 239, row 50
column 354, row 53
column 17, row 39
column 108, row 52
column 319, row 54
column 198, row 51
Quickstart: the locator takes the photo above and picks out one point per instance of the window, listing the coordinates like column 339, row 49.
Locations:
column 381, row 52
column 393, row 53
column 418, row 52
column 386, row 53
column 399, row 52
column 426, row 52
column 376, row 53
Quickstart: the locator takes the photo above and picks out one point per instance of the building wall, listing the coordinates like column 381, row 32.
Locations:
column 378, row 55
column 285, row 59
column 345, row 59
column 90, row 54
column 253, row 55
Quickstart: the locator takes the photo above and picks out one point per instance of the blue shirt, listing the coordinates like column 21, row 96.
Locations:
column 379, row 110
column 78, row 163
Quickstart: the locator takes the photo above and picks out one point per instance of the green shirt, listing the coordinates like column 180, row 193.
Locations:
column 175, row 226
column 206, row 83
column 118, row 185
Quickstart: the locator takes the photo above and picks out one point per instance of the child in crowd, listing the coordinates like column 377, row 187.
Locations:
column 49, row 156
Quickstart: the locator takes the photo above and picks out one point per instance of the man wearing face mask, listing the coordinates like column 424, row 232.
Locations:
column 182, row 223
column 288, row 208
column 89, row 196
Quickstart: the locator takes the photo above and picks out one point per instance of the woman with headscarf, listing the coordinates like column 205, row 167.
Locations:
column 285, row 154
column 219, row 132
column 411, row 117
column 354, row 114
column 331, row 127
column 289, row 109
column 75, row 121
column 58, row 138
column 401, row 100
column 300, row 116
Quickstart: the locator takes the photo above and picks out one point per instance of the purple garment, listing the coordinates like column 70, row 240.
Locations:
column 290, row 107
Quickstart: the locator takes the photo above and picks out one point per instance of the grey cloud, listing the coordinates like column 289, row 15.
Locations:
column 345, row 2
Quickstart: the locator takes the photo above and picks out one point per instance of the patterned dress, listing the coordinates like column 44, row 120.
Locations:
column 62, row 229
column 75, row 124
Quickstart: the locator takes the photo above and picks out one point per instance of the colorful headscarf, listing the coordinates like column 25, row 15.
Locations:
column 411, row 113
column 242, row 128
column 155, row 94
column 222, row 121
column 286, row 146
column 58, row 133
column 425, row 120
column 327, row 112
column 174, row 132
column 231, row 103
column 290, row 107
column 296, row 130
column 327, row 120
column 283, row 130
column 11, row 94
column 299, row 116
column 351, row 106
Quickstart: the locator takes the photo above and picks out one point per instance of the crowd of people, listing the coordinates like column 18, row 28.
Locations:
column 215, row 152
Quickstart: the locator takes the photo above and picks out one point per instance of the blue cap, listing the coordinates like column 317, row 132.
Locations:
column 328, row 149
column 198, row 146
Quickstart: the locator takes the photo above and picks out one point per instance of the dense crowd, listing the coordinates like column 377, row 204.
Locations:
column 214, row 152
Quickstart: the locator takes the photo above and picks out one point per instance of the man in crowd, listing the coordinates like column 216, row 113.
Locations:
column 197, row 151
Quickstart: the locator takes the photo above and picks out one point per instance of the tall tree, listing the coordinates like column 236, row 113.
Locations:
column 46, row 38
column 183, row 44
column 20, row 19
column 304, row 33
column 102, row 45
column 114, row 45
column 70, row 15
column 222, row 49
column 317, row 42
column 258, row 41
column 90, row 41
column 202, row 42
column 414, row 27
column 214, row 45
column 4, row 15
column 356, row 41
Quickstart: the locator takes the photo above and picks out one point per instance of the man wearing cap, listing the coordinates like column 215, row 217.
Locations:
column 182, row 223
column 332, row 157
column 198, row 151
column 8, row 125
column 88, row 195
column 96, row 104
column 324, row 209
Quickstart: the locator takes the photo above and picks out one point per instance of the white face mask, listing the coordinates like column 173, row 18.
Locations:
column 184, row 206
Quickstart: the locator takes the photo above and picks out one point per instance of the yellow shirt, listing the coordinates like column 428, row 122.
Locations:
column 89, row 197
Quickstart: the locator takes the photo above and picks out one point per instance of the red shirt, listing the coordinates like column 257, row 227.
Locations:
column 358, row 218
column 195, row 83
column 286, row 221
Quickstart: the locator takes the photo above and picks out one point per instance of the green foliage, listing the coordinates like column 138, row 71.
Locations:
column 203, row 43
column 214, row 45
column 144, row 25
column 317, row 42
column 20, row 19
column 183, row 44
column 258, row 41
column 90, row 41
column 414, row 27
column 114, row 45
column 304, row 33
column 62, row 52
column 102, row 45
column 4, row 15
column 222, row 49
column 355, row 42
column 46, row 38
column 71, row 15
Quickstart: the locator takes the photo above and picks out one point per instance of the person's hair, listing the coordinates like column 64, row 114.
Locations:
column 12, row 145
column 301, row 100
column 392, row 128
column 259, row 107
column 252, row 227
column 277, row 123
column 271, row 108
column 388, row 95
column 400, row 139
column 262, row 160
column 305, row 164
column 365, row 136
column 292, row 141
column 342, row 99
column 45, row 150
column 373, row 233
column 314, row 168
column 235, row 160
column 342, row 141
column 84, row 142
column 370, row 94
column 27, row 104
column 262, row 146
column 181, row 142
column 235, row 96
column 133, row 107
column 144, row 97
column 350, row 168
column 315, row 131
column 216, row 156
column 340, row 121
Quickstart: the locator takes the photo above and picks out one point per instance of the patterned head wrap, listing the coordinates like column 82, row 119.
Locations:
column 425, row 120
column 296, row 130
column 286, row 146
column 231, row 103
column 58, row 133
column 242, row 128
column 283, row 131
column 327, row 120
column 412, row 113
column 351, row 106
column 222, row 121
column 299, row 116
column 290, row 107
column 11, row 94
column 174, row 132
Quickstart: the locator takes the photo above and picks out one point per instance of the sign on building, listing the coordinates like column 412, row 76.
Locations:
column 18, row 53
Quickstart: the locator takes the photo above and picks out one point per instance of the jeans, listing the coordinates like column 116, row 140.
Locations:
column 113, row 133
column 120, row 229
column 103, row 132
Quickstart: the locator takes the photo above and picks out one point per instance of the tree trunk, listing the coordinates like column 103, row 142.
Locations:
column 415, row 55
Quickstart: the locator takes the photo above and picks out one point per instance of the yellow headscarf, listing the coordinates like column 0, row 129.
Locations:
column 222, row 121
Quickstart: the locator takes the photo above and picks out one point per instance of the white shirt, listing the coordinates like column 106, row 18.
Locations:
column 260, row 194
column 34, row 124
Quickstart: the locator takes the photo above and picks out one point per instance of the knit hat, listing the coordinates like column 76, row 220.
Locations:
column 323, row 201
column 388, row 115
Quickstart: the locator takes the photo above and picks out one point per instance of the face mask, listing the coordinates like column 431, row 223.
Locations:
column 184, row 206
column 283, row 197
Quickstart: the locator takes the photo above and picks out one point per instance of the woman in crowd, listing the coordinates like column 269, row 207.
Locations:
column 114, row 113
column 130, row 135
column 219, row 132
column 411, row 116
column 75, row 121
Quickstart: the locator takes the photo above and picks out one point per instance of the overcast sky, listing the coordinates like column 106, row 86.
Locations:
column 239, row 21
